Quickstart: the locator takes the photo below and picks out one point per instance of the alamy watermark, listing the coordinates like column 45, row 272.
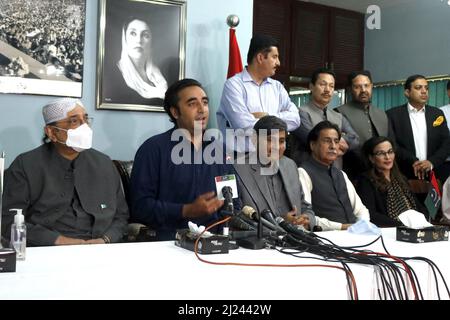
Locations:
column 263, row 147
column 373, row 20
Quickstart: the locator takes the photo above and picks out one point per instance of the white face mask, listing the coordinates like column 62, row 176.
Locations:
column 79, row 139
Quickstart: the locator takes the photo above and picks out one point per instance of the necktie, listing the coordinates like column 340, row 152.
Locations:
column 325, row 114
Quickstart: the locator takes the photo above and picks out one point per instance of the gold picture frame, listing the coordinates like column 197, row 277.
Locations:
column 141, row 50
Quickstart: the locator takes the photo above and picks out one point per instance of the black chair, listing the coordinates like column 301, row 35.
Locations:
column 124, row 168
column 137, row 232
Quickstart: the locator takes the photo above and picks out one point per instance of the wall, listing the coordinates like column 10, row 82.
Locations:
column 413, row 39
column 120, row 133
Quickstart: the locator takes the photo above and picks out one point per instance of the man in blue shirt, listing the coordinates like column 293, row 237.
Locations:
column 252, row 94
column 172, row 182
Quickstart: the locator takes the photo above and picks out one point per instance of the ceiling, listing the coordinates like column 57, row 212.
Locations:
column 359, row 5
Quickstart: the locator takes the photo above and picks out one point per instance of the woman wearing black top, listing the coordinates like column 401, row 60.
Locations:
column 383, row 189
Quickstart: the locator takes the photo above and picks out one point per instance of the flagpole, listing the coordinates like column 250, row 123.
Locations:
column 2, row 169
column 234, row 57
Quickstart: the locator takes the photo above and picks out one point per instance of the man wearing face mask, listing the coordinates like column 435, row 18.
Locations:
column 69, row 193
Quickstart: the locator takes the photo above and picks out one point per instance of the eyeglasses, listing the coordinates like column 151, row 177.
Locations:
column 384, row 153
column 75, row 122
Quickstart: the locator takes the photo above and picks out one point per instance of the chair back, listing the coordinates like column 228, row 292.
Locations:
column 137, row 232
column 419, row 186
column 124, row 168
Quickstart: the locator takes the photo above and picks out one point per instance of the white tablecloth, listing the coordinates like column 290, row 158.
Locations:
column 161, row 270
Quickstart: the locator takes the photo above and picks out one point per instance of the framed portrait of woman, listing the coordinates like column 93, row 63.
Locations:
column 141, row 50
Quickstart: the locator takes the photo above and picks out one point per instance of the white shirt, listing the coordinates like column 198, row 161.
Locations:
column 359, row 209
column 446, row 199
column 446, row 110
column 419, row 129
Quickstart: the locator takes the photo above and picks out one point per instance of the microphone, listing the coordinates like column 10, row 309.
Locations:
column 251, row 213
column 237, row 222
column 251, row 241
column 296, row 232
column 227, row 193
column 254, row 243
column 266, row 214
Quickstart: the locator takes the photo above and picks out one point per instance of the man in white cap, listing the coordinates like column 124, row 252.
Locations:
column 70, row 193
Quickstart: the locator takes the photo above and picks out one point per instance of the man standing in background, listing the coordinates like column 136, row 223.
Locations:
column 421, row 133
column 317, row 110
column 252, row 94
column 366, row 119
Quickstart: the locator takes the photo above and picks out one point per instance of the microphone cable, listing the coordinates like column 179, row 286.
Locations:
column 347, row 271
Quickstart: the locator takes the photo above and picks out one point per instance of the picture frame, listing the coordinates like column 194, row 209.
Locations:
column 141, row 51
column 42, row 47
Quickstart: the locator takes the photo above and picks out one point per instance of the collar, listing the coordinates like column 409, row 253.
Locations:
column 361, row 106
column 319, row 165
column 246, row 77
column 411, row 109
column 258, row 166
column 319, row 108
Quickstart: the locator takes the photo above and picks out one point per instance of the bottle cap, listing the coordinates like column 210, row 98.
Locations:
column 18, row 218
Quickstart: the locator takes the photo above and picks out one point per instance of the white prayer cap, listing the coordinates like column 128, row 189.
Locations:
column 58, row 109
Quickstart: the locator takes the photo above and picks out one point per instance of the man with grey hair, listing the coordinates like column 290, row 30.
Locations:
column 70, row 193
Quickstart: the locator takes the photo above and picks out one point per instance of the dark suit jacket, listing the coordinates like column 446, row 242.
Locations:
column 256, row 190
column 376, row 202
column 438, row 138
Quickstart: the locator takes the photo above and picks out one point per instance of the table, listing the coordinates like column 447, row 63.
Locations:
column 161, row 270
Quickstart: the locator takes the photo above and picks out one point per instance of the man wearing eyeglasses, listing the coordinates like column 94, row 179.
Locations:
column 70, row 193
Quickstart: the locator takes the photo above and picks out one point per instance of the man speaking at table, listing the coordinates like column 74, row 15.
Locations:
column 171, row 183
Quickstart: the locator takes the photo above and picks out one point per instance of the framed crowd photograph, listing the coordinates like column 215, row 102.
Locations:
column 141, row 50
column 41, row 47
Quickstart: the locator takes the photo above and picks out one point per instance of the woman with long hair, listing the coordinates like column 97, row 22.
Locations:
column 383, row 189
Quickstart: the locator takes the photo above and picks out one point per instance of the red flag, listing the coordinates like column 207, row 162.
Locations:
column 434, row 183
column 234, row 59
column 433, row 199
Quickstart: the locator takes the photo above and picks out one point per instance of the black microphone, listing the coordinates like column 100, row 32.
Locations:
column 297, row 232
column 251, row 213
column 266, row 214
column 227, row 193
column 238, row 223
column 253, row 241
